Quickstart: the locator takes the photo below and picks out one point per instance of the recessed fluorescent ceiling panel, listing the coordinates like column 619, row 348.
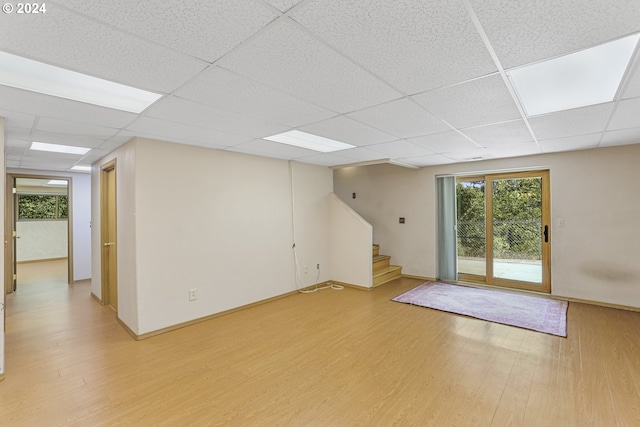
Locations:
column 80, row 168
column 588, row 77
column 56, row 148
column 23, row 73
column 309, row 141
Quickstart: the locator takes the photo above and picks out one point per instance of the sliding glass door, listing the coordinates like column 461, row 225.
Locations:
column 503, row 235
column 471, row 227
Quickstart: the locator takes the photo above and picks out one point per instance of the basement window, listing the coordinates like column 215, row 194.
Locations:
column 42, row 207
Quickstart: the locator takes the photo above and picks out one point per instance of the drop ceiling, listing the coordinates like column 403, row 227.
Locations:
column 421, row 82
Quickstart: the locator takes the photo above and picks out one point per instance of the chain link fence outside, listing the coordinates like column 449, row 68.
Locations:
column 518, row 239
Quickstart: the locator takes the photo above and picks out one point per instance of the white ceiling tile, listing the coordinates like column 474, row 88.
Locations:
column 475, row 103
column 47, row 164
column 217, row 25
column 468, row 155
column 361, row 154
column 633, row 86
column 580, row 142
column 515, row 150
column 180, row 110
column 17, row 143
column 326, row 160
column 526, row 31
column 12, row 152
column 621, row 137
column 75, row 128
column 283, row 5
column 58, row 108
column 627, row 115
column 64, row 38
column 430, row 160
column 344, row 129
column 17, row 120
column 307, row 69
column 44, row 156
column 10, row 163
column 415, row 45
column 500, row 134
column 116, row 142
column 578, row 121
column 181, row 133
column 93, row 155
column 261, row 147
column 402, row 118
column 400, row 149
column 17, row 133
column 446, row 142
column 66, row 139
column 347, row 60
column 229, row 91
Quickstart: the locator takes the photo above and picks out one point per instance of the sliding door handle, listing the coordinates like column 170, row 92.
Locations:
column 546, row 233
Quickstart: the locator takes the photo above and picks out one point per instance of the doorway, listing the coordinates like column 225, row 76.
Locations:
column 38, row 221
column 502, row 228
column 108, row 231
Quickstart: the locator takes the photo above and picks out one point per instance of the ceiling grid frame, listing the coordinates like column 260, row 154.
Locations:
column 503, row 74
column 31, row 115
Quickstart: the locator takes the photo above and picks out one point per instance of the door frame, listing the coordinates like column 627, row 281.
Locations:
column 10, row 220
column 111, row 166
column 488, row 178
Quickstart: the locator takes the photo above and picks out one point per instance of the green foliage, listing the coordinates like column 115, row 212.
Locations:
column 35, row 206
column 517, row 209
column 63, row 207
column 471, row 223
column 470, row 201
column 517, row 199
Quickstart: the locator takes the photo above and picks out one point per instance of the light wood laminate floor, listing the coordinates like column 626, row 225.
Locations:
column 333, row 358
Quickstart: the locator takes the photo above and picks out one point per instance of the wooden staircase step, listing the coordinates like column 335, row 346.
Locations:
column 380, row 262
column 376, row 249
column 387, row 274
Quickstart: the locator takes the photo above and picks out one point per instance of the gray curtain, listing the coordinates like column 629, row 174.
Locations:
column 446, row 200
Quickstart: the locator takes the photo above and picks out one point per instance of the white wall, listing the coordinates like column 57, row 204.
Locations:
column 40, row 240
column 351, row 245
column 594, row 257
column 217, row 221
column 80, row 198
column 81, row 211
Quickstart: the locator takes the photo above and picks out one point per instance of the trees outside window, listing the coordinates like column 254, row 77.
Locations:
column 42, row 207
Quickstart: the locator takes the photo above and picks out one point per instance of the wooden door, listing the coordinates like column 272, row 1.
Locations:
column 109, row 240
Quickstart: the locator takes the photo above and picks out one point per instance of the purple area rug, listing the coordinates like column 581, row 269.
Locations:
column 526, row 311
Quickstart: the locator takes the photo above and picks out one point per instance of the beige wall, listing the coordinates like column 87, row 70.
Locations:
column 311, row 188
column 2, row 294
column 594, row 257
column 351, row 245
column 221, row 222
column 126, row 238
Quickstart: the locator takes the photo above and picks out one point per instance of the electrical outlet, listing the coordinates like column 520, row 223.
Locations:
column 193, row 294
